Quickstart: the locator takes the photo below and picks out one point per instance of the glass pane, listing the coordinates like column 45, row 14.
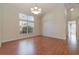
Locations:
column 30, row 18
column 23, row 27
column 26, row 23
column 22, row 16
column 30, row 27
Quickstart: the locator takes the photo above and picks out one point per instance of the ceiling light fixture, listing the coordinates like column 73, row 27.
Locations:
column 72, row 9
column 36, row 10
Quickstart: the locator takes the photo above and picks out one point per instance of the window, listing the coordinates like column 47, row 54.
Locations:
column 26, row 23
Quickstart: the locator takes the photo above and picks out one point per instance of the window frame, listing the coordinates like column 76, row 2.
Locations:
column 27, row 21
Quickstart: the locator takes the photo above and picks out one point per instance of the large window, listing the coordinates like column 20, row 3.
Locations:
column 26, row 23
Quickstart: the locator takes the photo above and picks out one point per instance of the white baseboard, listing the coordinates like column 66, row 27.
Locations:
column 18, row 38
column 12, row 39
column 54, row 37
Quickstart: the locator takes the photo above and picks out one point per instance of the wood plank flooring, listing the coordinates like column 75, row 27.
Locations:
column 35, row 46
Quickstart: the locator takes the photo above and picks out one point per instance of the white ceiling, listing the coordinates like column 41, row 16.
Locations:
column 46, row 7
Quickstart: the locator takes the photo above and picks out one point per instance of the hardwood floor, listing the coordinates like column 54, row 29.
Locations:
column 35, row 46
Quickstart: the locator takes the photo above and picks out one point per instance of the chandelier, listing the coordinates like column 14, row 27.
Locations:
column 36, row 10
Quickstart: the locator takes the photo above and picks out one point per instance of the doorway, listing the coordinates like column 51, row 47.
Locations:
column 72, row 39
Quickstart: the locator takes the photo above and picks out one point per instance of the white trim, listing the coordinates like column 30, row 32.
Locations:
column 13, row 39
column 18, row 38
column 55, row 37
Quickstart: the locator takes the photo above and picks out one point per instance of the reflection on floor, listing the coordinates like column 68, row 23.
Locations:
column 37, row 45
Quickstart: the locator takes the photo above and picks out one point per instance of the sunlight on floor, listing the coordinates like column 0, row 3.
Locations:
column 26, row 47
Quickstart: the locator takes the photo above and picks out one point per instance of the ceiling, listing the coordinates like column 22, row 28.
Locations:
column 46, row 7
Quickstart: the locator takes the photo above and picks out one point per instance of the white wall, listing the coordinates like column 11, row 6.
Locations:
column 0, row 26
column 11, row 24
column 1, row 21
column 54, row 23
